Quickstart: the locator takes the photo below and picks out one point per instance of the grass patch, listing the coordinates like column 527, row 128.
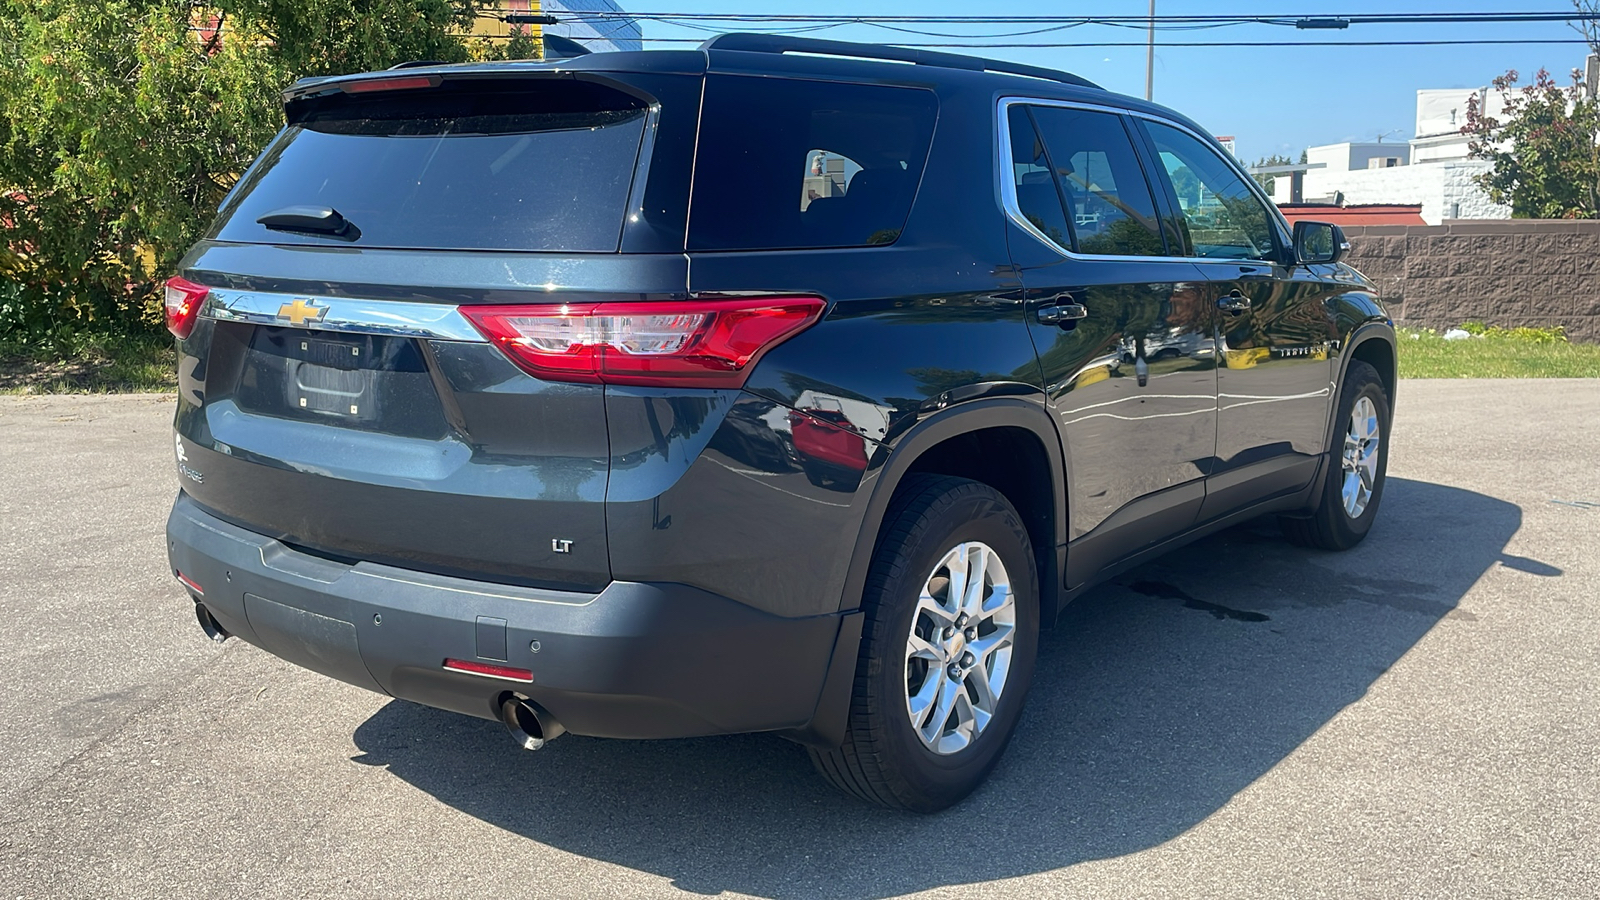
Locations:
column 90, row 364
column 1496, row 353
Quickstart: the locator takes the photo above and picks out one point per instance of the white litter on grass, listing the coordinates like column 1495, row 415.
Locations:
column 1456, row 334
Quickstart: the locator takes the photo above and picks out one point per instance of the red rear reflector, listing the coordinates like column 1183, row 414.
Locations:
column 700, row 343
column 409, row 82
column 477, row 668
column 190, row 583
column 181, row 302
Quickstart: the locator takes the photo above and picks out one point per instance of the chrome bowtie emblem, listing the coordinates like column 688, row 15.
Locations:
column 301, row 311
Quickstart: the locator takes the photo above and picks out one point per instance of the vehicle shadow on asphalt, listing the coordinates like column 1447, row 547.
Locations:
column 1158, row 698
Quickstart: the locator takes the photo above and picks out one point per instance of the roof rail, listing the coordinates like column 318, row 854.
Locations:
column 774, row 43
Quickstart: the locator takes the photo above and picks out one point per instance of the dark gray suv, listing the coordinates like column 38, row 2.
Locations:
column 772, row 386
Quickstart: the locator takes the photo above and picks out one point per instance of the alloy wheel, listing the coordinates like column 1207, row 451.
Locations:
column 1360, row 462
column 958, row 654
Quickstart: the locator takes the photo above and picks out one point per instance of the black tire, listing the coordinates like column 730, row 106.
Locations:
column 882, row 760
column 1330, row 526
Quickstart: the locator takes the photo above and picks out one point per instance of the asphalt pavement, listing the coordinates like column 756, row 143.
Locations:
column 1417, row 718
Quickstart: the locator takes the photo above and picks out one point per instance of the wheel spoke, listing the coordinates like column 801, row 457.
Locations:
column 919, row 702
column 929, row 605
column 989, row 643
column 977, row 567
column 967, row 726
column 999, row 601
column 979, row 679
column 956, row 564
column 934, row 726
column 918, row 647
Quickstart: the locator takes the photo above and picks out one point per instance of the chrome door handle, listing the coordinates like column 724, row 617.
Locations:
column 1234, row 303
column 1062, row 314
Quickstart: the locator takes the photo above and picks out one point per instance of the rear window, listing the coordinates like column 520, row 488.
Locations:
column 547, row 166
column 800, row 164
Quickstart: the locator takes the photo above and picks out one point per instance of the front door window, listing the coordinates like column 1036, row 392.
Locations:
column 1223, row 217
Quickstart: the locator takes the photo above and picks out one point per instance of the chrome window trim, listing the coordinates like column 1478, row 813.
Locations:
column 401, row 318
column 1007, row 187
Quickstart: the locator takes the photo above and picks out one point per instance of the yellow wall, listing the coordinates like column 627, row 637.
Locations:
column 488, row 23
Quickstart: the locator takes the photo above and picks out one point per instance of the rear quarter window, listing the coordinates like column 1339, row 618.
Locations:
column 793, row 164
column 535, row 166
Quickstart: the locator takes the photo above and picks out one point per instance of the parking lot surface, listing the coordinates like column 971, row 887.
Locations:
column 1419, row 717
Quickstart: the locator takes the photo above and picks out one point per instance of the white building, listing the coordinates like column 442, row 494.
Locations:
column 595, row 25
column 564, row 28
column 1433, row 169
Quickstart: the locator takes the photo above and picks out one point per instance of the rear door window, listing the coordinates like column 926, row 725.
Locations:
column 1107, row 197
column 537, row 166
column 786, row 164
column 1037, row 195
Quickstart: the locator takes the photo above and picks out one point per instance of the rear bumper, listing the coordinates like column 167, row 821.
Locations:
column 636, row 660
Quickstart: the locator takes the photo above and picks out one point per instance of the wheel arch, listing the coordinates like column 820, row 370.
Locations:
column 1376, row 346
column 1001, row 418
column 959, row 441
column 1372, row 342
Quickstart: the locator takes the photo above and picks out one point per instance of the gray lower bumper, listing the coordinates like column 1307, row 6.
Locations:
column 636, row 660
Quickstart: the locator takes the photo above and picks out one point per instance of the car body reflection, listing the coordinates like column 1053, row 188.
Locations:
column 830, row 436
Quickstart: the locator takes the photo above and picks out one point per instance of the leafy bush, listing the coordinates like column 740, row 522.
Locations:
column 1544, row 146
column 123, row 124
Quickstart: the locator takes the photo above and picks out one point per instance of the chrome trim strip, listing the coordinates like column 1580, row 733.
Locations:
column 1013, row 209
column 436, row 321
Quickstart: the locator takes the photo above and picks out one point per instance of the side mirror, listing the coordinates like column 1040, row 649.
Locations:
column 1319, row 242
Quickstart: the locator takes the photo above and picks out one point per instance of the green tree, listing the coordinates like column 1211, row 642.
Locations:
column 1544, row 147
column 1187, row 186
column 123, row 123
column 1267, row 181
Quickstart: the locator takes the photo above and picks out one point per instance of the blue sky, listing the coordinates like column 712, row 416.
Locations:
column 1273, row 99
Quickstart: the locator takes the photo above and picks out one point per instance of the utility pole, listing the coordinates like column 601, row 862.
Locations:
column 1150, row 56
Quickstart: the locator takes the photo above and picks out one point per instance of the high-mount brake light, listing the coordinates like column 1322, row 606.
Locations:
column 405, row 83
column 181, row 302
column 698, row 343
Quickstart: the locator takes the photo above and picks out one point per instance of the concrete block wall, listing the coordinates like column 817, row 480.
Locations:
column 1507, row 273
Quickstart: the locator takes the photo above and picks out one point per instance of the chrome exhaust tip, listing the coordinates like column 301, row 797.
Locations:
column 209, row 624
column 528, row 722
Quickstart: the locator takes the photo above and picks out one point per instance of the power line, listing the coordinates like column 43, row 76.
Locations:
column 1303, row 21
column 1088, row 44
column 810, row 23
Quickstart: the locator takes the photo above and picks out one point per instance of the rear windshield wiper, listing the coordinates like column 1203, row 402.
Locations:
column 323, row 220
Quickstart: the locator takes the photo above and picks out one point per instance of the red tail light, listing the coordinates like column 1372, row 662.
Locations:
column 182, row 302
column 703, row 343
